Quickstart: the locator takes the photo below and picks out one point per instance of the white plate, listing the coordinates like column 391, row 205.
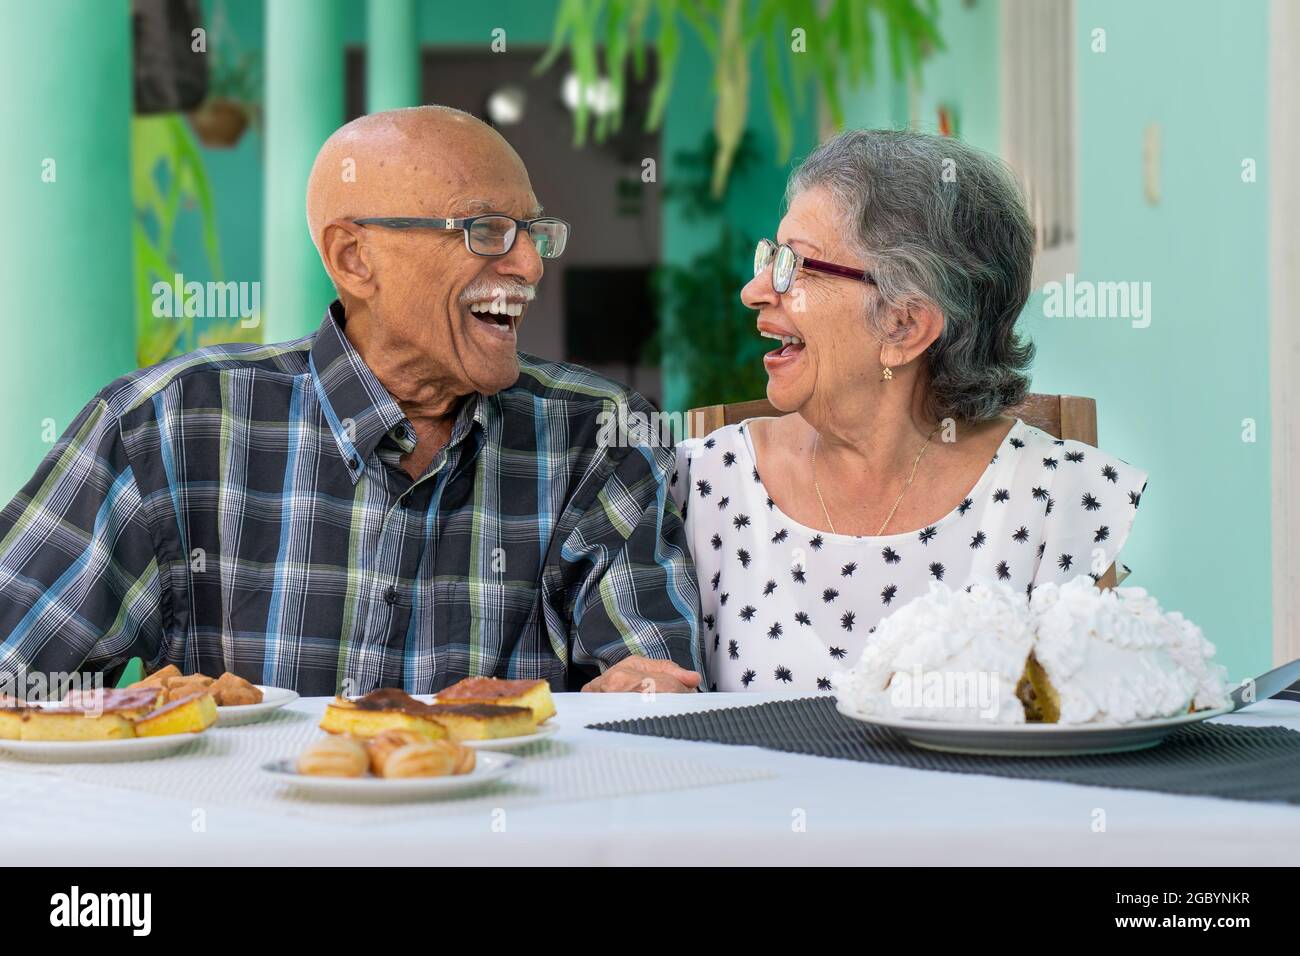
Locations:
column 487, row 767
column 273, row 698
column 1031, row 740
column 96, row 751
column 512, row 743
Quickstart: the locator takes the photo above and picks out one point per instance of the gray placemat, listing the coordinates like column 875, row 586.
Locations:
column 1213, row 760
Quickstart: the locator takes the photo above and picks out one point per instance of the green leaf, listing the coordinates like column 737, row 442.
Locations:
column 694, row 15
column 569, row 12
column 669, row 46
column 192, row 173
column 776, row 100
column 616, row 43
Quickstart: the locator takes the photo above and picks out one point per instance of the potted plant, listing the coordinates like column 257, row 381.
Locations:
column 234, row 88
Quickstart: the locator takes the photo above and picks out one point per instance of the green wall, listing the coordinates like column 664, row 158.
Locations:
column 66, row 248
column 1171, row 397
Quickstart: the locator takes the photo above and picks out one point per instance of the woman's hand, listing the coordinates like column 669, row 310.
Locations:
column 644, row 675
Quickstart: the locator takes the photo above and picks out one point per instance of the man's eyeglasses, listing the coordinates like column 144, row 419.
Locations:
column 784, row 261
column 490, row 235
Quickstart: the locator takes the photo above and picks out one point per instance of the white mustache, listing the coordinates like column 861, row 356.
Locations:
column 481, row 291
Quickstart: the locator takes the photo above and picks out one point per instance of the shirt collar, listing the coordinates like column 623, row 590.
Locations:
column 358, row 408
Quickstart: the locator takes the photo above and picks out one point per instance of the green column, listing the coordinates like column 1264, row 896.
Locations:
column 392, row 55
column 304, row 104
column 65, row 179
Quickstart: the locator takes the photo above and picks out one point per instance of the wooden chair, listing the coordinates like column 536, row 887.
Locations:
column 1070, row 417
column 1065, row 416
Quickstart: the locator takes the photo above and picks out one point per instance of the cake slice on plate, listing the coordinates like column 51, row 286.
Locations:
column 186, row 715
column 484, row 721
column 385, row 709
column 533, row 694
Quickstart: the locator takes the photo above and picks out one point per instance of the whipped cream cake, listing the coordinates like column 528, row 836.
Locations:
column 1074, row 655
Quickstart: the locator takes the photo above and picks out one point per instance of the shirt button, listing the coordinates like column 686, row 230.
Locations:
column 352, row 463
column 390, row 596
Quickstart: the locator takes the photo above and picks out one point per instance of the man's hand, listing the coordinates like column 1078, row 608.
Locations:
column 645, row 675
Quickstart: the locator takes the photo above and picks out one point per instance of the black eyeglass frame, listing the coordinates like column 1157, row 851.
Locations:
column 464, row 224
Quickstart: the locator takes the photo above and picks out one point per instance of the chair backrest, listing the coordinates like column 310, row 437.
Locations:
column 1065, row 416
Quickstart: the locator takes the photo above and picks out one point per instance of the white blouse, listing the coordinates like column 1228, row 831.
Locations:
column 784, row 605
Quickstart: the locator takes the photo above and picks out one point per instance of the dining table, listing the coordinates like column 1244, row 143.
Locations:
column 593, row 797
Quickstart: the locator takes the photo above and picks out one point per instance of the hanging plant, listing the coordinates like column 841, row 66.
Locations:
column 233, row 102
column 804, row 42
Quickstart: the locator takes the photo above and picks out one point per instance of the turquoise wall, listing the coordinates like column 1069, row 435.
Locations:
column 65, row 257
column 1171, row 397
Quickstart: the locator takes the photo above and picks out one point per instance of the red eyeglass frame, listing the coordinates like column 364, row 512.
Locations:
column 805, row 262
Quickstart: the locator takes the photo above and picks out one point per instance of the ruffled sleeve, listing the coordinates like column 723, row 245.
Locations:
column 1091, row 505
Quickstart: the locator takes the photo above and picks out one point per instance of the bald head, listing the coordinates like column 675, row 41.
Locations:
column 421, row 161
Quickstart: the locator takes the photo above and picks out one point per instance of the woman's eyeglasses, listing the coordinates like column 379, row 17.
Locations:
column 490, row 235
column 784, row 261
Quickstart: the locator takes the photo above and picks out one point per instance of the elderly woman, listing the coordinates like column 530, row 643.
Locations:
column 892, row 293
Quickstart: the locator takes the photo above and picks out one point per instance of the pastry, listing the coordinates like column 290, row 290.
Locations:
column 228, row 690
column 231, row 690
column 90, row 715
column 408, row 753
column 130, row 702
column 61, row 723
column 334, row 757
column 484, row 721
column 158, row 676
column 11, row 717
column 380, row 710
column 193, row 714
column 178, row 687
column 534, row 694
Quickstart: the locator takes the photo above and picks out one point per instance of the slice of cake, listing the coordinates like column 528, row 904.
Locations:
column 97, row 714
column 130, row 702
column 484, row 721
column 61, row 723
column 533, row 694
column 948, row 655
column 385, row 709
column 186, row 715
column 1115, row 657
column 11, row 717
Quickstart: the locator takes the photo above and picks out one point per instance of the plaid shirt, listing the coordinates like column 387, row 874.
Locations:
column 243, row 508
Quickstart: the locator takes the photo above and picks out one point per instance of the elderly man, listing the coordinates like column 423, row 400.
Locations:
column 400, row 499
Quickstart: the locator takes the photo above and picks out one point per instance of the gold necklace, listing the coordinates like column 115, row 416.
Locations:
column 897, row 501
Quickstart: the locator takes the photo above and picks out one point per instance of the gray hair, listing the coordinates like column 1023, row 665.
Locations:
column 939, row 221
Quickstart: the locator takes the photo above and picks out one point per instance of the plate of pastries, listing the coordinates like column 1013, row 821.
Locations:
column 397, row 762
column 482, row 713
column 102, row 724
column 388, row 741
column 238, row 701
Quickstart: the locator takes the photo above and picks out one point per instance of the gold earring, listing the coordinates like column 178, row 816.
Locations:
column 887, row 375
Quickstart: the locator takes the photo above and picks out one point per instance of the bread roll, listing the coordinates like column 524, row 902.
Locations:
column 334, row 757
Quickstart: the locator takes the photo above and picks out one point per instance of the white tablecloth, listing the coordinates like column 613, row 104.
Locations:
column 813, row 810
